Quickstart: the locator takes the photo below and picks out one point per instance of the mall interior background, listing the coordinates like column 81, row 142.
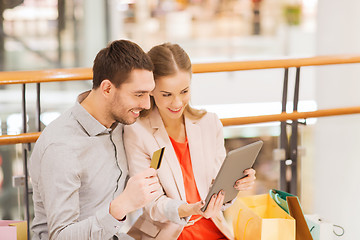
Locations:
column 48, row 34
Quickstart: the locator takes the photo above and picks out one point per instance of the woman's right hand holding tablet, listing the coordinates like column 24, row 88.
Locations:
column 212, row 209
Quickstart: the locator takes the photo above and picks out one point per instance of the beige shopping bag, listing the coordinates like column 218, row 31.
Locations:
column 258, row 217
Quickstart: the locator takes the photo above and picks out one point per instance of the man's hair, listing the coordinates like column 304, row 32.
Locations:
column 117, row 60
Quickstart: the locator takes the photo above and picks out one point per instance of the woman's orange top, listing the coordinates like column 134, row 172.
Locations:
column 204, row 228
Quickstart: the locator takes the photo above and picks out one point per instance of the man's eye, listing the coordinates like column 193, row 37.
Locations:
column 167, row 95
column 139, row 95
column 185, row 91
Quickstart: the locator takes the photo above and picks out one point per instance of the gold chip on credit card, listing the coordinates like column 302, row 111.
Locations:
column 156, row 158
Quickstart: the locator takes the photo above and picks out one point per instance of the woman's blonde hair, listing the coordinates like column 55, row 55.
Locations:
column 168, row 59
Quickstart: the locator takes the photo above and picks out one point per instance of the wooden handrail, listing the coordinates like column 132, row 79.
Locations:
column 32, row 137
column 58, row 75
column 279, row 63
column 289, row 116
column 19, row 138
column 53, row 75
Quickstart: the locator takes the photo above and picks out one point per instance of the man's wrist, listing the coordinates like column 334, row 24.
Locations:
column 119, row 213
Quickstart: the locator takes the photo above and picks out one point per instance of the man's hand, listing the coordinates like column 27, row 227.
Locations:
column 212, row 209
column 246, row 183
column 140, row 190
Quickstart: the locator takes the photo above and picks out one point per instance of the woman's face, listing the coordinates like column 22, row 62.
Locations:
column 172, row 94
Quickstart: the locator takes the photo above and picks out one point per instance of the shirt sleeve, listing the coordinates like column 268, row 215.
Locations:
column 59, row 186
column 166, row 209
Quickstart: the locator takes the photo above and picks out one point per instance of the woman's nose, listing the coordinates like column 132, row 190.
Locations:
column 177, row 102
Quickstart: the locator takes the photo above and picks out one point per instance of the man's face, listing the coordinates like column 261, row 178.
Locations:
column 132, row 96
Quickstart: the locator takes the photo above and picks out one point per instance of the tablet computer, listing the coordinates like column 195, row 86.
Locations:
column 232, row 169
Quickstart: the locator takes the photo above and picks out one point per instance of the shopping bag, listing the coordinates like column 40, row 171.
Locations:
column 13, row 230
column 323, row 230
column 291, row 204
column 258, row 217
column 280, row 198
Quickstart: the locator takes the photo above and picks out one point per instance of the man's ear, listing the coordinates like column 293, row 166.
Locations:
column 106, row 87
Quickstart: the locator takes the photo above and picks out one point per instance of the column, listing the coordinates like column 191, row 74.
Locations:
column 337, row 139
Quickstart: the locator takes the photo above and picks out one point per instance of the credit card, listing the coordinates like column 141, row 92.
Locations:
column 157, row 158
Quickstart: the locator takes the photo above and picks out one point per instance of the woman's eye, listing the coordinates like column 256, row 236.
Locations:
column 185, row 91
column 167, row 95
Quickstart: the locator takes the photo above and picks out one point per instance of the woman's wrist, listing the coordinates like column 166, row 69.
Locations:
column 184, row 210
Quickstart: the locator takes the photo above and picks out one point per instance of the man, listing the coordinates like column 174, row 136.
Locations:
column 78, row 167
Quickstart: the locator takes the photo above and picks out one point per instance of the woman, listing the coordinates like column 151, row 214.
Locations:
column 194, row 152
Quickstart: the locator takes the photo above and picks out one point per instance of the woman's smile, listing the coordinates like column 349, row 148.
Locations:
column 175, row 110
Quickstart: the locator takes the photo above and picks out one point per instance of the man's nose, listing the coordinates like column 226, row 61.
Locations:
column 145, row 103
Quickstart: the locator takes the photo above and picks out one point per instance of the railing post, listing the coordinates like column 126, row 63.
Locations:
column 25, row 158
column 283, row 135
column 2, row 37
column 61, row 26
column 38, row 108
column 294, row 138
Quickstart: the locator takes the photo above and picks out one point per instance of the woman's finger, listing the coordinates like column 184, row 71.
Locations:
column 219, row 200
column 244, row 186
column 249, row 171
column 210, row 208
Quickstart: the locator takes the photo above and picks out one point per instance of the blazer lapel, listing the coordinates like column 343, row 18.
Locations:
column 198, row 162
column 170, row 157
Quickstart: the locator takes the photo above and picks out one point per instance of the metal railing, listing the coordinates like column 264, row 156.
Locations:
column 289, row 145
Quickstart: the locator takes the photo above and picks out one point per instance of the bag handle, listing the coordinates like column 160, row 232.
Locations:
column 237, row 224
column 334, row 227
column 339, row 227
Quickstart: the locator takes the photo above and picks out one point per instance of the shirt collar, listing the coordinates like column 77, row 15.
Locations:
column 92, row 126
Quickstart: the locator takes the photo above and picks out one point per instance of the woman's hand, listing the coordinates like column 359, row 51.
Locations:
column 212, row 209
column 214, row 205
column 246, row 183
